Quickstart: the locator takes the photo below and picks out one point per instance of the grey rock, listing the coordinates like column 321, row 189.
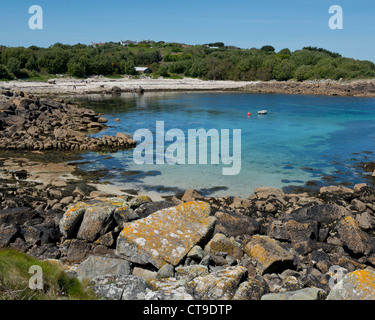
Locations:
column 8, row 235
column 302, row 294
column 97, row 220
column 120, row 287
column 196, row 253
column 219, row 285
column 166, row 271
column 95, row 266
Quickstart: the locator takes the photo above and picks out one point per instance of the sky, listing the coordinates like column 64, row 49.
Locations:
column 291, row 24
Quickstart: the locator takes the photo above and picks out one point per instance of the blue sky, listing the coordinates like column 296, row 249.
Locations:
column 244, row 23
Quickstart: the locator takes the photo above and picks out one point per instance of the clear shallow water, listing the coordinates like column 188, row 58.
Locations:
column 301, row 139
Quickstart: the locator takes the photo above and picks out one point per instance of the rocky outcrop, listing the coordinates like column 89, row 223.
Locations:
column 33, row 123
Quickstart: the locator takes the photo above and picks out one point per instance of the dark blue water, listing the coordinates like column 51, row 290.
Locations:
column 303, row 139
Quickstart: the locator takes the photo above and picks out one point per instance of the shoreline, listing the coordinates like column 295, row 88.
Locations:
column 102, row 85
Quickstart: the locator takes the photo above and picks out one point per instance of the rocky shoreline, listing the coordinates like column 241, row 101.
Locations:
column 102, row 85
column 329, row 88
column 270, row 245
column 33, row 123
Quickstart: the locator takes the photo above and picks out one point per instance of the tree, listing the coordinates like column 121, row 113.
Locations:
column 54, row 60
column 303, row 73
column 283, row 71
column 14, row 66
column 268, row 49
column 198, row 68
column 31, row 64
column 77, row 67
column 100, row 65
column 127, row 67
column 4, row 73
column 163, row 71
column 285, row 51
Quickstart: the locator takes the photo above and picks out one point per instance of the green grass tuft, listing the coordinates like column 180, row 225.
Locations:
column 57, row 284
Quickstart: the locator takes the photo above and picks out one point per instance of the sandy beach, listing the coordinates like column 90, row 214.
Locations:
column 97, row 84
column 104, row 85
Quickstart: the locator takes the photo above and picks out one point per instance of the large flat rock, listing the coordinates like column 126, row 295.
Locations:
column 167, row 235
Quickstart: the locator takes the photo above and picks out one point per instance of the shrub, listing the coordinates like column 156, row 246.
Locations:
column 283, row 71
column 4, row 73
column 14, row 66
column 77, row 67
column 303, row 73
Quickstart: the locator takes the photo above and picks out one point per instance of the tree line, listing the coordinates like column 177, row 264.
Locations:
column 213, row 61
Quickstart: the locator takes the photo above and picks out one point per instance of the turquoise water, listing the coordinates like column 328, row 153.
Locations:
column 303, row 139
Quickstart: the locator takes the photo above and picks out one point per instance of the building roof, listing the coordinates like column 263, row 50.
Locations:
column 140, row 69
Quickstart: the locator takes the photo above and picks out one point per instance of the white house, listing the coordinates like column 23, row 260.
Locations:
column 142, row 69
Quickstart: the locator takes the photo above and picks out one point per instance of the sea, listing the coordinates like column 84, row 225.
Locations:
column 303, row 142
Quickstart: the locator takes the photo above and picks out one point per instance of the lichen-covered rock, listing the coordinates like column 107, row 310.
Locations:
column 96, row 221
column 72, row 219
column 354, row 238
column 95, row 266
column 120, row 287
column 220, row 243
column 252, row 289
column 167, row 235
column 268, row 254
column 89, row 221
column 190, row 272
column 302, row 294
column 356, row 285
column 167, row 289
column 219, row 285
column 138, row 200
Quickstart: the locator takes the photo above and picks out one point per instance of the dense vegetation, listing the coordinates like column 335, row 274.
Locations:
column 213, row 61
column 57, row 285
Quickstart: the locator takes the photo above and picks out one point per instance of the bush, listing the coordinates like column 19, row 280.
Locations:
column 54, row 60
column 303, row 73
column 163, row 71
column 14, row 66
column 127, row 67
column 283, row 71
column 77, row 67
column 4, row 73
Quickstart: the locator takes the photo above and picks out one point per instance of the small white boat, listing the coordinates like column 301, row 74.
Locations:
column 262, row 112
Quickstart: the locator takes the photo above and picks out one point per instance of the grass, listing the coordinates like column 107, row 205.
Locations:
column 57, row 284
